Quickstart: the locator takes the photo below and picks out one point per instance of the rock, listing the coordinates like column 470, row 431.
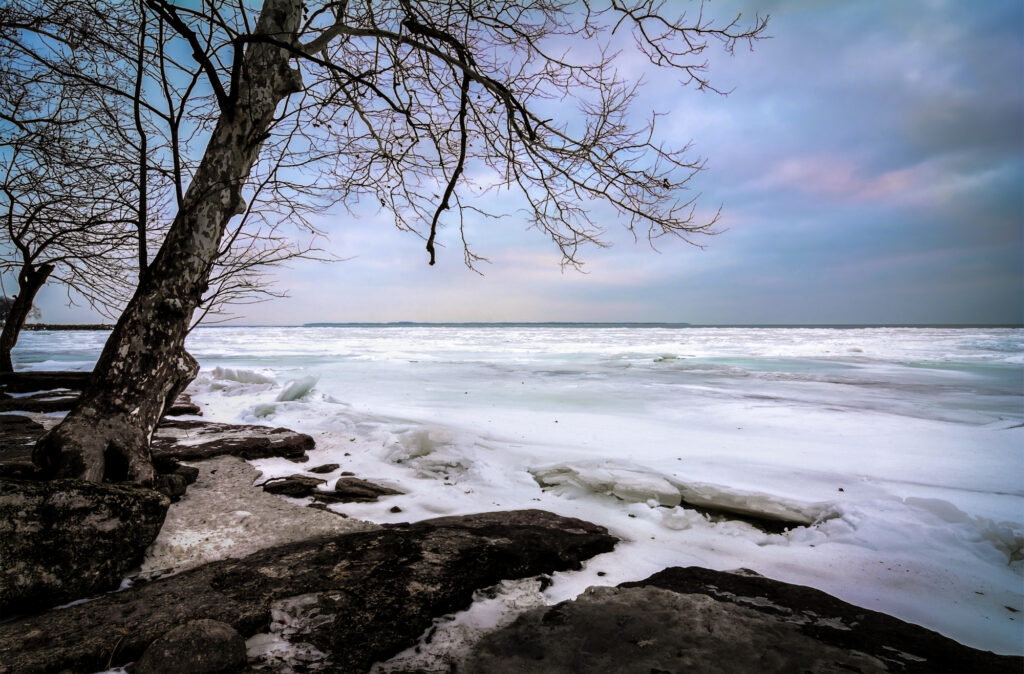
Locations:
column 58, row 391
column 295, row 486
column 198, row 647
column 183, row 405
column 354, row 490
column 358, row 598
column 49, row 401
column 28, row 382
column 194, row 440
column 697, row 620
column 172, row 486
column 18, row 435
column 68, row 539
column 326, row 468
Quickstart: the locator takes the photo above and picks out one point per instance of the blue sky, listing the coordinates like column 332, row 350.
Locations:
column 870, row 165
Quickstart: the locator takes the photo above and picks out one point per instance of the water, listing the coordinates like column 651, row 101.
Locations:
column 902, row 447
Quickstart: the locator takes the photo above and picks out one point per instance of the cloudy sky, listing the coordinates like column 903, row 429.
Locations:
column 869, row 161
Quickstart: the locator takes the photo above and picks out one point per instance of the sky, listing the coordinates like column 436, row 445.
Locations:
column 868, row 159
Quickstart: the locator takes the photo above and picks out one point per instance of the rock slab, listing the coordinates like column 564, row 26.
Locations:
column 700, row 621
column 193, row 440
column 198, row 647
column 369, row 595
column 68, row 539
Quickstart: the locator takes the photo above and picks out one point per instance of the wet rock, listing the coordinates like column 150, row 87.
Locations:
column 697, row 620
column 326, row 468
column 354, row 490
column 192, row 440
column 68, row 539
column 183, row 405
column 365, row 596
column 296, row 486
column 198, row 647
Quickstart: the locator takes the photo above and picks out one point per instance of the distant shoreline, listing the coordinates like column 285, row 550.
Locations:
column 511, row 324
column 67, row 326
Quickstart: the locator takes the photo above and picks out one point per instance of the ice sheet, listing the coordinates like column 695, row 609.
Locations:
column 900, row 450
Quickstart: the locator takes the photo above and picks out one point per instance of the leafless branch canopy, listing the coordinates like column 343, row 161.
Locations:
column 439, row 111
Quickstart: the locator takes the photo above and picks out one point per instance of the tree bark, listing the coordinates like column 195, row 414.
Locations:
column 30, row 280
column 144, row 363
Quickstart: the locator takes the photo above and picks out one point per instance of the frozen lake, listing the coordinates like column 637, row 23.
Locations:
column 902, row 449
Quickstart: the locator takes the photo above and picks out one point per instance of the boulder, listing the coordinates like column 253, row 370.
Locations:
column 356, row 598
column 698, row 620
column 296, row 486
column 354, row 490
column 193, row 440
column 326, row 468
column 198, row 647
column 69, row 539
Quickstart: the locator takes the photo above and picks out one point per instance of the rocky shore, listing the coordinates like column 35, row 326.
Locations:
column 217, row 571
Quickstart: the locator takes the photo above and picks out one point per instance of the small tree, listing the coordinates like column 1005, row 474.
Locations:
column 402, row 102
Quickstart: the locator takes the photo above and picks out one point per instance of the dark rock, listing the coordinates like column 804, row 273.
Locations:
column 18, row 436
column 68, row 539
column 183, row 405
column 396, row 509
column 28, row 382
column 354, row 490
column 697, row 620
column 326, row 468
column 169, row 465
column 296, row 486
column 198, row 647
column 171, row 485
column 194, row 440
column 49, row 401
column 58, row 391
column 371, row 593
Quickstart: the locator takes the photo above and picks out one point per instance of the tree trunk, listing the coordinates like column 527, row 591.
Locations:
column 30, row 280
column 144, row 363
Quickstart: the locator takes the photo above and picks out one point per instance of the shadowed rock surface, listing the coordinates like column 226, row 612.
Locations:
column 67, row 539
column 369, row 594
column 700, row 621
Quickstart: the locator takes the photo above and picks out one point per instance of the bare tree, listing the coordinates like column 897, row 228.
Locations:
column 65, row 213
column 98, row 123
column 423, row 106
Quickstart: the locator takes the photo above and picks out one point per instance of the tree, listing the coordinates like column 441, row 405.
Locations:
column 91, row 163
column 64, row 215
column 402, row 102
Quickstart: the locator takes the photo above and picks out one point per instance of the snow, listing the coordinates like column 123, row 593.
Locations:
column 899, row 451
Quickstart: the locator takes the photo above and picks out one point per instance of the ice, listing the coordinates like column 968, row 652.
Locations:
column 893, row 455
column 241, row 376
column 623, row 482
column 297, row 388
